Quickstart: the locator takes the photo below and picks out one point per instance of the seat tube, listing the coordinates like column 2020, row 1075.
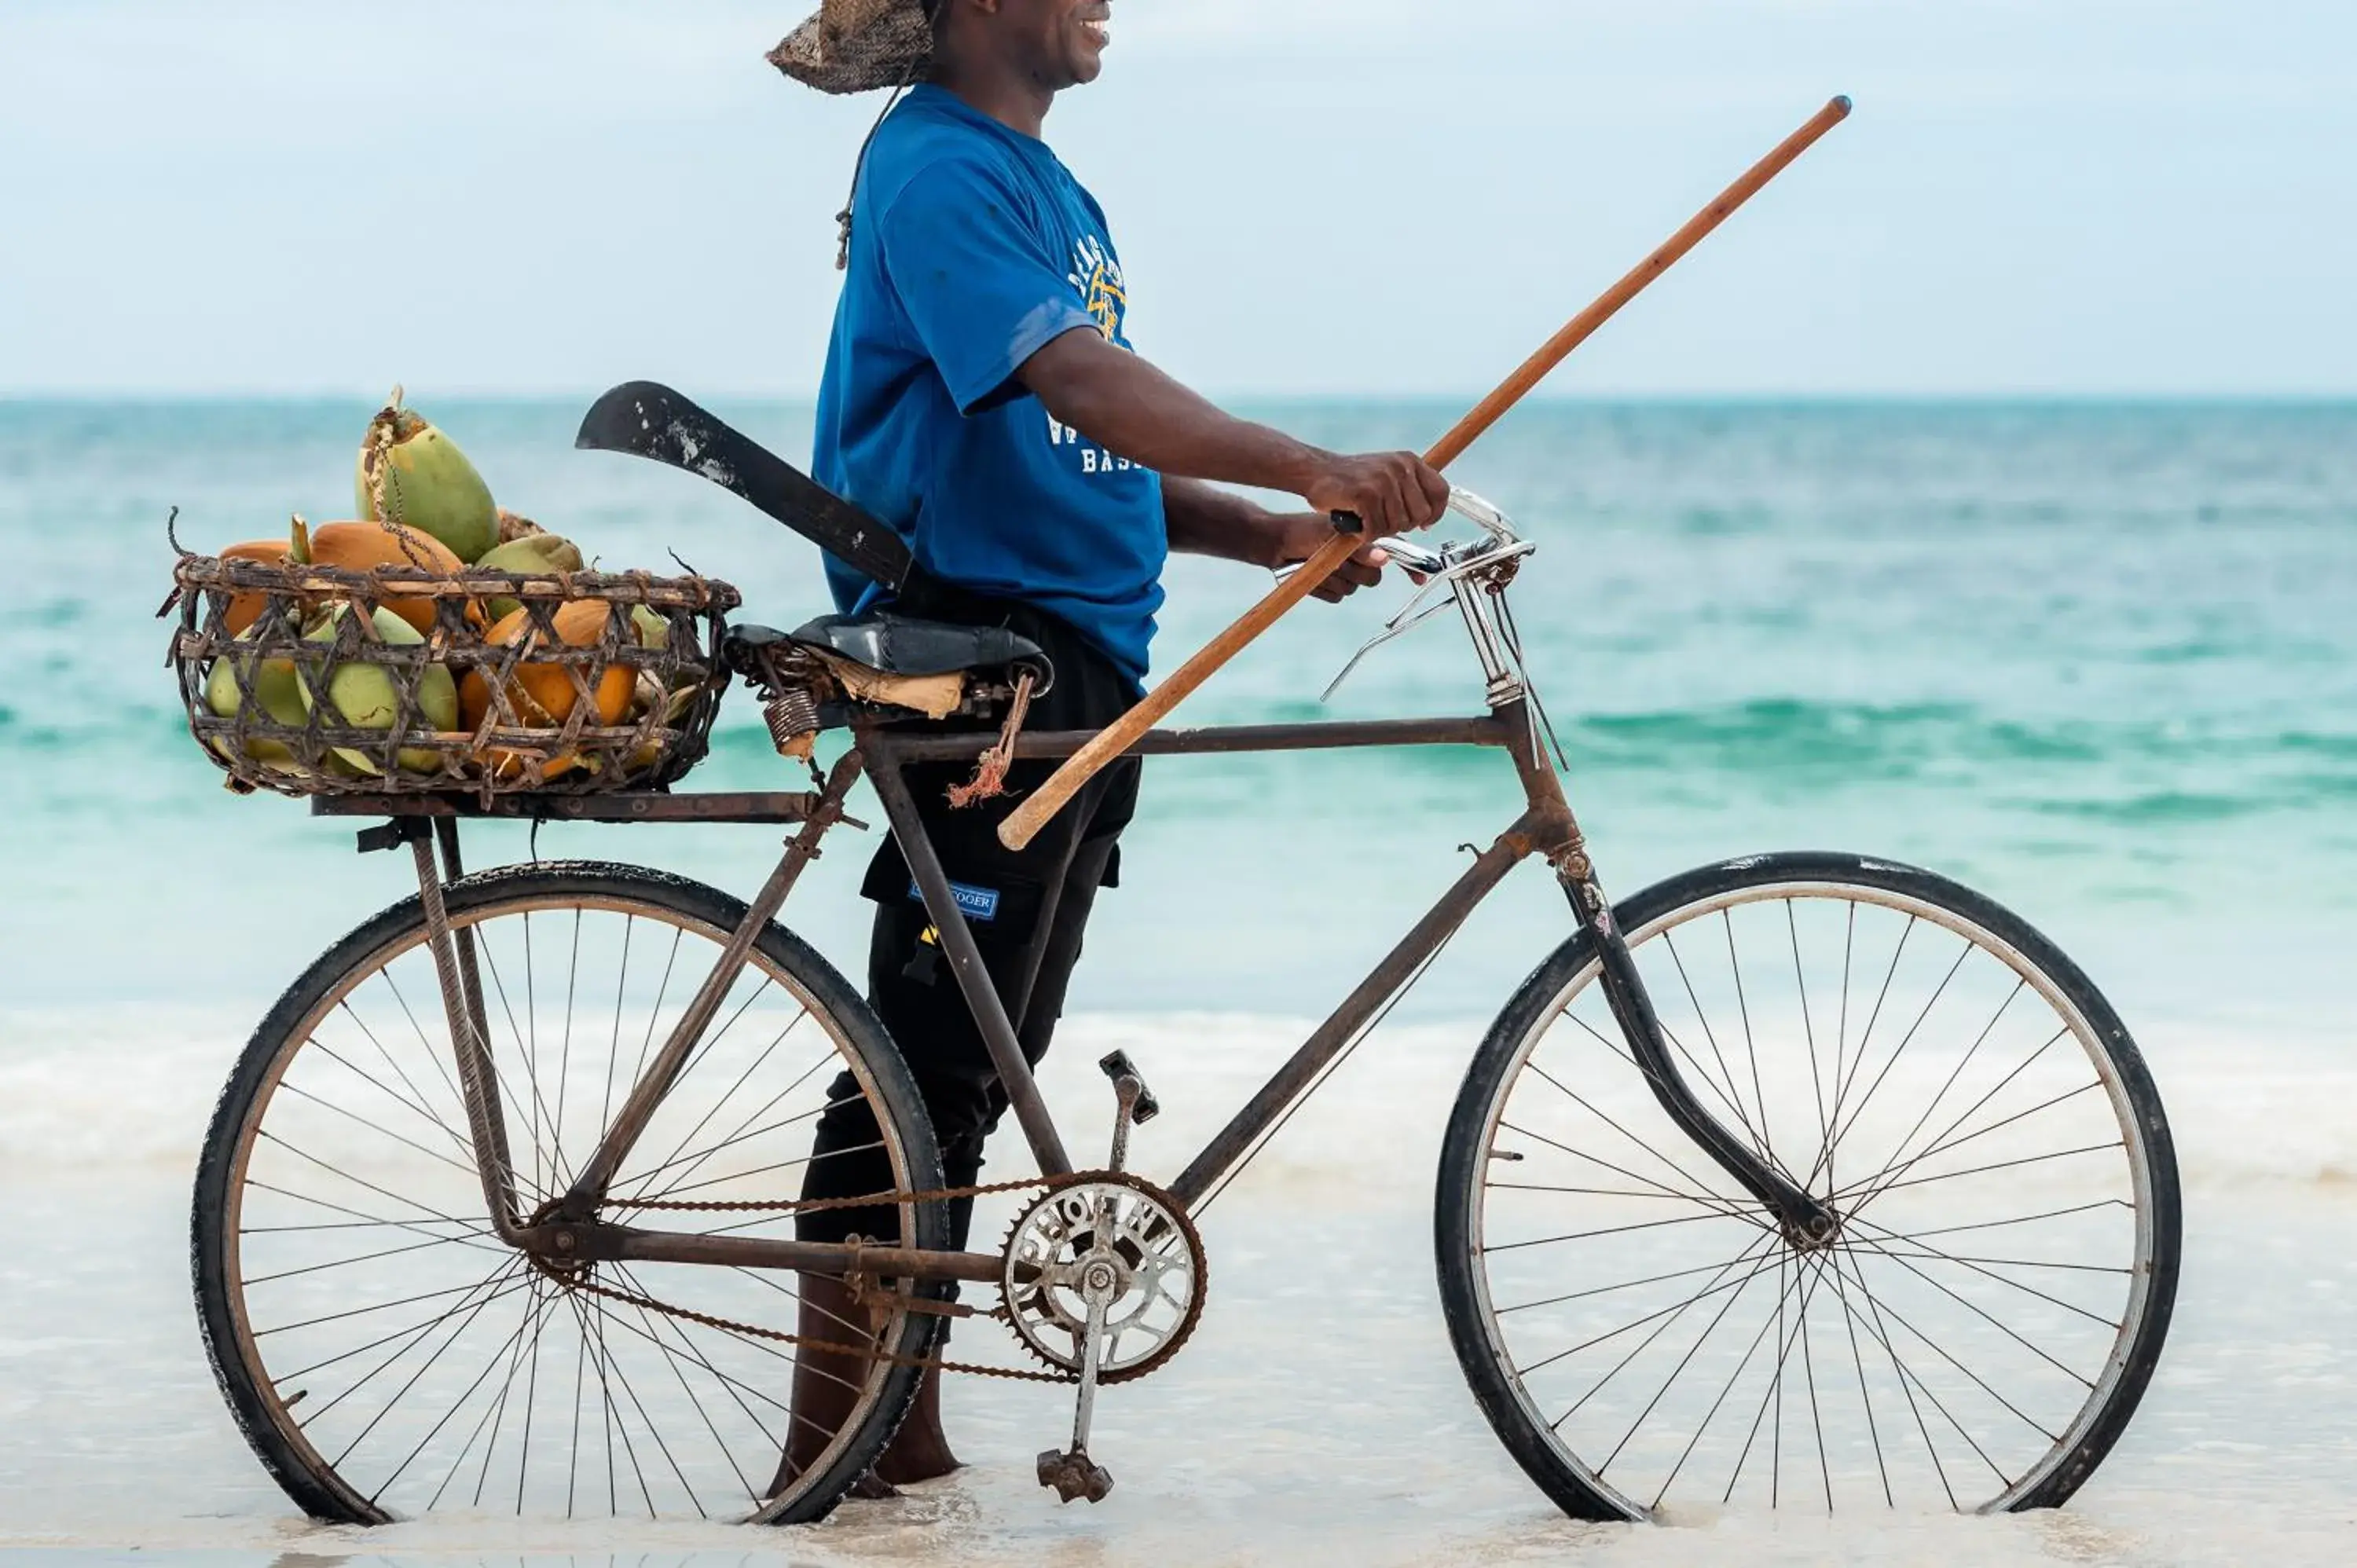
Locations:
column 964, row 955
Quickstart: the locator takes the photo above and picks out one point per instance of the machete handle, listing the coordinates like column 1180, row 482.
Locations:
column 1022, row 824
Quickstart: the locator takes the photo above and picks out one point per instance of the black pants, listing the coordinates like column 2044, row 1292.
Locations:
column 1027, row 909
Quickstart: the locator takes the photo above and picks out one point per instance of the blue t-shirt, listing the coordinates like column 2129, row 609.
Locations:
column 973, row 247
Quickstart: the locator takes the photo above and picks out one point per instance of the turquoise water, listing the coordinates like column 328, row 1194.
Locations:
column 2098, row 661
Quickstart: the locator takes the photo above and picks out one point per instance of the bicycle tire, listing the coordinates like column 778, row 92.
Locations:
column 1477, row 1127
column 850, row 1028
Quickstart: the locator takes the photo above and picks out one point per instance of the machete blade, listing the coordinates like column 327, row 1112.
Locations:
column 646, row 419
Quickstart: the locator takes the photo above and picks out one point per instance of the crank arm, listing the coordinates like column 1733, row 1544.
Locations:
column 1074, row 1474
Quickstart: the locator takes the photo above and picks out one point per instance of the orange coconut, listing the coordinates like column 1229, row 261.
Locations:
column 245, row 610
column 364, row 546
column 544, row 695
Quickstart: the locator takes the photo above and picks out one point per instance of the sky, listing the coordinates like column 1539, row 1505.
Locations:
column 1311, row 196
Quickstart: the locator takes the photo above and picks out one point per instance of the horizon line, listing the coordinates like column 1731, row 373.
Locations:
column 1593, row 398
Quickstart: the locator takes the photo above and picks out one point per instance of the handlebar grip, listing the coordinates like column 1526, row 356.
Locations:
column 1349, row 522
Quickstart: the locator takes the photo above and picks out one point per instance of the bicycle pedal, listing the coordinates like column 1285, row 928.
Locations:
column 1073, row 1476
column 1117, row 1067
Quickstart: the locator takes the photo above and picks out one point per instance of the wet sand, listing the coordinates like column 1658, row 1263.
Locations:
column 1317, row 1418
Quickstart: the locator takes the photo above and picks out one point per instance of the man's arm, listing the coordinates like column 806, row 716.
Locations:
column 1205, row 519
column 1122, row 402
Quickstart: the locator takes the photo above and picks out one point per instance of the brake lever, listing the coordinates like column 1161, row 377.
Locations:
column 1433, row 570
column 1398, row 627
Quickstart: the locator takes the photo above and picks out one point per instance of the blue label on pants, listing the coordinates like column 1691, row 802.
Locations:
column 975, row 903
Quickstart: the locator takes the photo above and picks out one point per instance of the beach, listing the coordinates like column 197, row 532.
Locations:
column 2092, row 659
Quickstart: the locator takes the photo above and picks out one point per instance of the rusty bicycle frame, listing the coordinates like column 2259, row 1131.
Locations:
column 567, row 1231
column 568, row 1228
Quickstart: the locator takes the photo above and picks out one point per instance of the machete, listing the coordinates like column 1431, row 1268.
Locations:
column 646, row 419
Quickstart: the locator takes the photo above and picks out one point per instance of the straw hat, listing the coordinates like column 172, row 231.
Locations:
column 858, row 46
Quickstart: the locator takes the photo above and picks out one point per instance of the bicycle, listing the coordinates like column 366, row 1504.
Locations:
column 1676, row 1193
column 1805, row 1177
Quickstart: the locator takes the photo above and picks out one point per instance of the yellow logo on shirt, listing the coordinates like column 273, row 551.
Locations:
column 1103, row 294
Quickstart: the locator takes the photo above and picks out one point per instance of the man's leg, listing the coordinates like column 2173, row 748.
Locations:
column 1042, row 898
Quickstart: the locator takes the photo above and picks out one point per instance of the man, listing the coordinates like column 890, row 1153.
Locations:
column 981, row 397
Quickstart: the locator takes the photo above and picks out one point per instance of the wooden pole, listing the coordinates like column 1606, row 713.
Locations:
column 1023, row 823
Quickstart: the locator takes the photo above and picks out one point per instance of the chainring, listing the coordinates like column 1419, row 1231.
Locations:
column 1157, row 1256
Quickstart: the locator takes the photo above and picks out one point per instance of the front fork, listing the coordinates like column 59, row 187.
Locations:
column 1806, row 1223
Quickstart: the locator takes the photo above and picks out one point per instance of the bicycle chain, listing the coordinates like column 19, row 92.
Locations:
column 812, row 1205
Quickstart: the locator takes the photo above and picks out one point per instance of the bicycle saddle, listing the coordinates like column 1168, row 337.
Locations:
column 892, row 644
column 902, row 645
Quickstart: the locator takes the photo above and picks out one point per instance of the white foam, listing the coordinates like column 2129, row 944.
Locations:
column 131, row 1089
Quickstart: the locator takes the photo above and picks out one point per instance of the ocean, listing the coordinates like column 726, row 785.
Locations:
column 2097, row 660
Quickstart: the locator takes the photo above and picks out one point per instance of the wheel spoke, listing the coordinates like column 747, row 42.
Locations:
column 1694, row 1185
column 1496, row 1247
column 1865, row 1398
column 1895, row 1316
column 1879, row 1334
column 738, row 1134
column 1710, row 1037
column 1809, row 1034
column 1694, row 1194
column 1683, row 1362
column 1671, row 1313
column 704, row 1051
column 1750, row 1048
column 413, row 1100
column 1877, row 1185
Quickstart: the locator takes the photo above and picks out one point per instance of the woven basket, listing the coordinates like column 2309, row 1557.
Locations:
column 518, row 746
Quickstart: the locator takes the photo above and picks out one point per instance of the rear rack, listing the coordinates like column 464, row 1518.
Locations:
column 756, row 807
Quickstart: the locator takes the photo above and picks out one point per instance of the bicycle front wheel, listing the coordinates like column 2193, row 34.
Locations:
column 388, row 1357
column 1641, row 1333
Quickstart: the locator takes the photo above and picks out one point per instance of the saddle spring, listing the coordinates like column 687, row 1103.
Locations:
column 791, row 713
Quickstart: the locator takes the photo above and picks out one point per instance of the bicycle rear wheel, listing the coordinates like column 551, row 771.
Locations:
column 389, row 1357
column 1643, row 1337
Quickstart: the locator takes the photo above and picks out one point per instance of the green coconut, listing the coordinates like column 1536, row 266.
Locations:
column 411, row 473
column 652, row 631
column 276, row 689
column 365, row 697
column 534, row 555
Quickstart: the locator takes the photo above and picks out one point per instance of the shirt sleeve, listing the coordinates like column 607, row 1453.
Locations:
column 981, row 286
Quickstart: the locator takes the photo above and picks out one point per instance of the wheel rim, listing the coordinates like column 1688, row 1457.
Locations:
column 415, row 1364
column 1968, row 1328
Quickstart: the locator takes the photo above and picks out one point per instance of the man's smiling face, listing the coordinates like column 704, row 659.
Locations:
column 1064, row 40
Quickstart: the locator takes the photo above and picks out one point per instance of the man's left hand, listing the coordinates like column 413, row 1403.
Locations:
column 1303, row 534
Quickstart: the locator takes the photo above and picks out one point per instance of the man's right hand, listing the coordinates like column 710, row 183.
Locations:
column 1390, row 492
